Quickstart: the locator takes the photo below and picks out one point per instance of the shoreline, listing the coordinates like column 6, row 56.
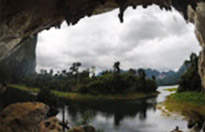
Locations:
column 79, row 96
column 186, row 103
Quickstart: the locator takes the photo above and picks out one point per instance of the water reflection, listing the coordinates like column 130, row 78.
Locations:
column 120, row 116
column 118, row 109
column 14, row 96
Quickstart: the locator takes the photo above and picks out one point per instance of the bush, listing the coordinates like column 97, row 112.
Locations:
column 118, row 84
column 190, row 80
column 50, row 99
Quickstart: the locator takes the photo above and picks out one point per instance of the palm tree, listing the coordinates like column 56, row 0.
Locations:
column 132, row 71
column 193, row 62
column 142, row 74
column 75, row 66
column 93, row 71
column 116, row 67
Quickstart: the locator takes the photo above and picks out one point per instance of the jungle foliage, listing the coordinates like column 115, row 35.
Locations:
column 109, row 82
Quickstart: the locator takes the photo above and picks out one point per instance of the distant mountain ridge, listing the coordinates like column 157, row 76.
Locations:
column 159, row 75
column 166, row 78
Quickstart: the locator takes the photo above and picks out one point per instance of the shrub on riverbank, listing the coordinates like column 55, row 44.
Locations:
column 189, row 104
column 80, row 96
column 118, row 84
column 186, row 102
column 190, row 80
column 47, row 97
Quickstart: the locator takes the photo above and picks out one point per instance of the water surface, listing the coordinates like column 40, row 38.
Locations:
column 139, row 115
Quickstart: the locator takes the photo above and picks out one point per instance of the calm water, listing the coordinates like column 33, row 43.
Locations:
column 125, row 116
column 112, row 116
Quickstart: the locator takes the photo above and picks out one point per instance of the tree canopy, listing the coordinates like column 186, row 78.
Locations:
column 109, row 82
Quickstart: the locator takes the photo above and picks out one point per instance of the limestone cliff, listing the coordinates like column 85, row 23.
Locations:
column 198, row 18
column 20, row 62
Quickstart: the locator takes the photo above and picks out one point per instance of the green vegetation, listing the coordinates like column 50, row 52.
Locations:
column 79, row 96
column 188, row 100
column 118, row 84
column 73, row 82
column 190, row 97
column 186, row 103
column 171, row 89
column 47, row 97
column 24, row 88
column 190, row 80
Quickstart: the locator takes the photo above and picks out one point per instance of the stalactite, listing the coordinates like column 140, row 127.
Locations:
column 144, row 6
column 122, row 7
column 102, row 2
column 134, row 7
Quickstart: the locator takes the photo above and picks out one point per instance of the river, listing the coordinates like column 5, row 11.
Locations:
column 141, row 115
column 125, row 116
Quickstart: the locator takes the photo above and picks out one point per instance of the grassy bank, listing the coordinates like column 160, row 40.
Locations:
column 171, row 89
column 24, row 88
column 186, row 103
column 79, row 96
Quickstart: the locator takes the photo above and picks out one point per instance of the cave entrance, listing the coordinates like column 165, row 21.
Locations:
column 152, row 39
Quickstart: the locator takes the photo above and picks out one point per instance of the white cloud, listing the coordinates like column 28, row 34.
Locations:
column 149, row 38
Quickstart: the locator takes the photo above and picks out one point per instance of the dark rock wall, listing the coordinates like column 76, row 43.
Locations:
column 197, row 17
column 20, row 62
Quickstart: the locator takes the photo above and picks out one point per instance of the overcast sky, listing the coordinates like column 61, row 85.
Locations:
column 149, row 38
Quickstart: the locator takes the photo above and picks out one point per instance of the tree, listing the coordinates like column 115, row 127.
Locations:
column 50, row 99
column 51, row 72
column 116, row 67
column 193, row 61
column 141, row 74
column 190, row 80
column 64, row 73
column 132, row 71
column 43, row 72
column 74, row 68
column 153, row 78
column 85, row 74
column 93, row 71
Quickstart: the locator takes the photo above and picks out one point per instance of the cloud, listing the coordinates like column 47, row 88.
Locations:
column 149, row 38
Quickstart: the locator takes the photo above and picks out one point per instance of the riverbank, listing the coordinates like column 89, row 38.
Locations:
column 79, row 96
column 186, row 103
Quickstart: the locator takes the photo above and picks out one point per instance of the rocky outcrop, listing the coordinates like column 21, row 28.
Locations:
column 51, row 125
column 23, row 117
column 20, row 62
column 202, row 67
column 198, row 18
